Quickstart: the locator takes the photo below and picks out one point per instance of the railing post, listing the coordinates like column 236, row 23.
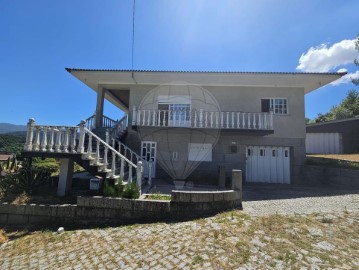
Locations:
column 139, row 175
column 80, row 147
column 37, row 139
column 44, row 139
column 105, row 162
column 30, row 134
column 129, row 180
column 271, row 120
column 217, row 119
column 107, row 136
column 134, row 115
column 73, row 140
column 201, row 118
column 66, row 141
column 113, row 166
column 97, row 158
column 227, row 119
column 51, row 142
column 58, row 140
column 222, row 120
column 150, row 172
column 195, row 118
column 122, row 168
column 89, row 146
column 154, row 118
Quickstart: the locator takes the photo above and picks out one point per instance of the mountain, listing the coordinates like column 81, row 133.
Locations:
column 6, row 128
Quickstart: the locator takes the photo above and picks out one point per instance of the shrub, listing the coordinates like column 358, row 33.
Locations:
column 113, row 191
column 131, row 191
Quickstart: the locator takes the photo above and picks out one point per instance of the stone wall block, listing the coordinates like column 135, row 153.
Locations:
column 17, row 209
column 230, row 195
column 37, row 210
column 218, row 196
column 120, row 203
column 3, row 219
column 4, row 208
column 66, row 211
column 202, row 196
column 151, row 206
column 180, row 196
column 17, row 219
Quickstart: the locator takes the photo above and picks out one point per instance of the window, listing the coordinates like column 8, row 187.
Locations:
column 276, row 105
column 174, row 110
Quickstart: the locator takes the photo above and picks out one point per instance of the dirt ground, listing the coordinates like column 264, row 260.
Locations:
column 348, row 157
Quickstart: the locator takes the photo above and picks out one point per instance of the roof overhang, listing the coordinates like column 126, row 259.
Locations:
column 122, row 79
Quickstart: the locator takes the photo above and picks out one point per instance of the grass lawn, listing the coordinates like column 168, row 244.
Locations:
column 225, row 241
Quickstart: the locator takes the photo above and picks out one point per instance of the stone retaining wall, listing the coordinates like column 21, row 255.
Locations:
column 316, row 174
column 101, row 210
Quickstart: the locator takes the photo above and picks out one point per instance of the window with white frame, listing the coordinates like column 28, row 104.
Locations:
column 275, row 105
column 174, row 110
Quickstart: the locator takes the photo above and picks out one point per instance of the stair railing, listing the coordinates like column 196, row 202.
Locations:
column 119, row 127
column 106, row 121
column 71, row 140
column 126, row 151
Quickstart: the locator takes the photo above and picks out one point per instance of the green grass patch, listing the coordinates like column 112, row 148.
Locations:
column 158, row 196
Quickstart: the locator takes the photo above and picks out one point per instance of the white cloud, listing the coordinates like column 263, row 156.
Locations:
column 342, row 70
column 346, row 78
column 324, row 58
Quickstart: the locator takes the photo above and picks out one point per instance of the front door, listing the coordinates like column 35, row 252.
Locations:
column 148, row 153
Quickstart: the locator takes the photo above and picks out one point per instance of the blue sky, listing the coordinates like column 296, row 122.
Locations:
column 40, row 38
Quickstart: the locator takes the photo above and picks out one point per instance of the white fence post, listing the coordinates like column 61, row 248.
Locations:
column 139, row 175
column 80, row 147
column 30, row 134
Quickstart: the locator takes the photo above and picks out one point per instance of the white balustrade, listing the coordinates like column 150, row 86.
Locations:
column 71, row 140
column 203, row 119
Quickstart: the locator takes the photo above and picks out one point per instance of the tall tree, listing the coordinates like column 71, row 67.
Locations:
column 356, row 61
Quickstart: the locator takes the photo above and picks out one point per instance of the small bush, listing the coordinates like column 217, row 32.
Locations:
column 113, row 191
column 131, row 191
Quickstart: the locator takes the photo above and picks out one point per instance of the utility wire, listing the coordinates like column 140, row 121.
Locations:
column 133, row 29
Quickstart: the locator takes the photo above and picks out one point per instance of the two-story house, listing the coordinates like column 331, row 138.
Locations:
column 191, row 124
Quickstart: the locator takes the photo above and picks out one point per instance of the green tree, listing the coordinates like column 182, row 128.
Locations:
column 356, row 61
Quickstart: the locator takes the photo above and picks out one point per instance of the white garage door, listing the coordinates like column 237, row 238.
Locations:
column 267, row 164
column 323, row 143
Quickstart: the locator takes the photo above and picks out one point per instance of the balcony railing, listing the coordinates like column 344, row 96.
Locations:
column 202, row 119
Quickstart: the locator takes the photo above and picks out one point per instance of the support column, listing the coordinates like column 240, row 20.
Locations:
column 237, row 180
column 65, row 177
column 99, row 106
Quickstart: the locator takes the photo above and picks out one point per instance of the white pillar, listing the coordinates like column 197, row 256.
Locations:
column 30, row 134
column 139, row 175
column 65, row 178
column 99, row 106
column 80, row 147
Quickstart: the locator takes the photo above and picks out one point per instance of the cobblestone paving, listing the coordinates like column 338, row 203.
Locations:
column 232, row 240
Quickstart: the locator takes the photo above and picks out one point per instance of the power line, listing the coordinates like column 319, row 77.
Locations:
column 133, row 29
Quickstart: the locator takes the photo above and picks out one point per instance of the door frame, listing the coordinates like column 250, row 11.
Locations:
column 145, row 165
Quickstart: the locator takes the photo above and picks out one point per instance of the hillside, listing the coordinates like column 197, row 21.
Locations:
column 12, row 143
column 6, row 128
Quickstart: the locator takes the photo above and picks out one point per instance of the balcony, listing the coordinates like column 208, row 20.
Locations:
column 203, row 119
